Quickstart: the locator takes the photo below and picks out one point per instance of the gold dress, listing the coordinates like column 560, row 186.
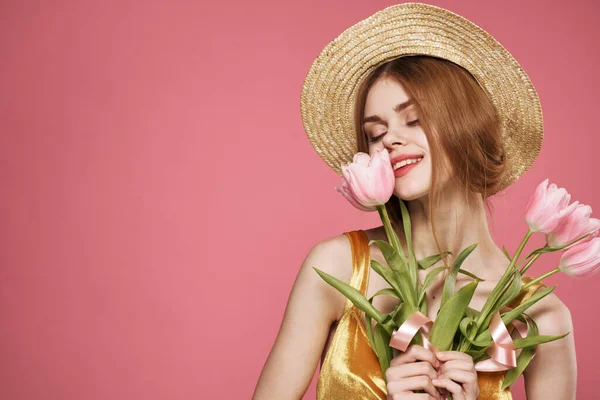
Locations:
column 350, row 369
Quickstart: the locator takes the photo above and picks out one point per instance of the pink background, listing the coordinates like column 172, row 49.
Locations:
column 159, row 193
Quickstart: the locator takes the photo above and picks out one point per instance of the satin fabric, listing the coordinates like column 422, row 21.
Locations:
column 350, row 369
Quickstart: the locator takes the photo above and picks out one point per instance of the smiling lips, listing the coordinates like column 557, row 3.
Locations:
column 405, row 166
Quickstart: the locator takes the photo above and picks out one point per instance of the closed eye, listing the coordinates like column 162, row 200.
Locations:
column 373, row 140
column 409, row 123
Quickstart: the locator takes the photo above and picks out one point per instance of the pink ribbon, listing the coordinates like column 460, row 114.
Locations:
column 402, row 337
column 503, row 355
column 502, row 351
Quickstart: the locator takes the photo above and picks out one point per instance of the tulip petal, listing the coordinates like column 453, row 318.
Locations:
column 368, row 182
column 356, row 204
column 360, row 184
column 546, row 208
column 362, row 159
column 582, row 259
column 382, row 177
column 535, row 204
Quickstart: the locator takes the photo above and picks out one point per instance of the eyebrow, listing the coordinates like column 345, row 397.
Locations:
column 398, row 108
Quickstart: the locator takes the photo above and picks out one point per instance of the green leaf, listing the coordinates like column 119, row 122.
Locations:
column 549, row 249
column 401, row 273
column 506, row 253
column 513, row 289
column 427, row 262
column 352, row 294
column 493, row 298
column 397, row 315
column 383, row 350
column 388, row 292
column 471, row 313
column 467, row 327
column 391, row 256
column 478, row 355
column 450, row 283
column 509, row 316
column 449, row 317
column 524, row 357
column 541, row 250
column 540, row 294
column 388, row 275
column 369, row 327
column 412, row 261
column 537, row 339
column 470, row 274
column 423, row 307
column 428, row 280
column 389, row 230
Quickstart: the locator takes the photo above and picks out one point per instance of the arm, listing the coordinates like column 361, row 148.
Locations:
column 552, row 373
column 312, row 307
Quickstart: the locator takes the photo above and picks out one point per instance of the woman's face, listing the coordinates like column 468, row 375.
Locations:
column 391, row 123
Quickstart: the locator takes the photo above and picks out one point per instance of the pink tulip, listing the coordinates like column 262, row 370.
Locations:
column 582, row 259
column 547, row 207
column 574, row 225
column 368, row 182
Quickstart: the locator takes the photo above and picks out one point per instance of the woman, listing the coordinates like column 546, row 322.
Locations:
column 466, row 126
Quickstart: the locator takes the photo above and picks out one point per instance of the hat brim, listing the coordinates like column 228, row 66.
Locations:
column 329, row 90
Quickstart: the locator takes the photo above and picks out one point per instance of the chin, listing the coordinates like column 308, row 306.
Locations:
column 410, row 191
column 410, row 197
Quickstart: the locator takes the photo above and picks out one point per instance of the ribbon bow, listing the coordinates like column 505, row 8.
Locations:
column 502, row 351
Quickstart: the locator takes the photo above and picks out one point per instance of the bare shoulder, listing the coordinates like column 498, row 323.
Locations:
column 552, row 373
column 552, row 316
column 334, row 257
column 313, row 305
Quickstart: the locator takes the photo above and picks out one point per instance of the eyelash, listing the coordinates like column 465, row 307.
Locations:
column 409, row 123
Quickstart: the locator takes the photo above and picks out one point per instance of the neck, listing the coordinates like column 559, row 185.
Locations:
column 459, row 221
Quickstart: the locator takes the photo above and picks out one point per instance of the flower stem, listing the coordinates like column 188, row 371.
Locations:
column 391, row 235
column 547, row 274
column 501, row 285
column 520, row 248
column 529, row 263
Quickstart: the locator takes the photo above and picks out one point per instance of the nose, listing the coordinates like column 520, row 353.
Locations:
column 395, row 136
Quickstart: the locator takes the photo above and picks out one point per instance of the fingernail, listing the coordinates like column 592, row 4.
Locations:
column 441, row 355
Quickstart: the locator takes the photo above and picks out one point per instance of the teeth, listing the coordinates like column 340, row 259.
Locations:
column 406, row 162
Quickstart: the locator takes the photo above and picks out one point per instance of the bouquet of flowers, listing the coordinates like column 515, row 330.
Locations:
column 368, row 184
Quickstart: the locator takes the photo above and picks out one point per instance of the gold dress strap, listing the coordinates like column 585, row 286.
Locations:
column 361, row 260
column 350, row 369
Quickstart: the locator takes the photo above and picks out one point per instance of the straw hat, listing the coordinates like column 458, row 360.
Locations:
column 329, row 90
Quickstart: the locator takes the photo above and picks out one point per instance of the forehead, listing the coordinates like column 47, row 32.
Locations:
column 383, row 95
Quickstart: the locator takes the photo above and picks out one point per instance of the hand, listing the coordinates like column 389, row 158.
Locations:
column 457, row 375
column 412, row 370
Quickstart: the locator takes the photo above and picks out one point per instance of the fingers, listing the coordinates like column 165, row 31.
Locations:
column 455, row 364
column 402, row 371
column 414, row 383
column 460, row 376
column 413, row 396
column 453, row 355
column 414, row 353
column 457, row 375
column 453, row 387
